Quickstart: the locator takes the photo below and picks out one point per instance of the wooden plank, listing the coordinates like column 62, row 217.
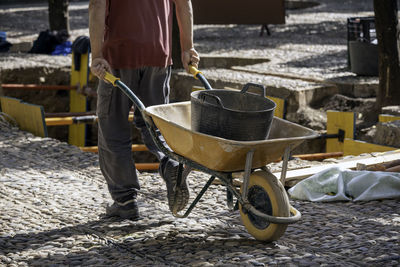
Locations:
column 78, row 102
column 29, row 117
column 393, row 169
column 319, row 156
column 146, row 166
column 68, row 114
column 59, row 121
column 95, row 149
column 388, row 118
column 348, row 163
column 356, row 147
column 386, row 166
column 339, row 121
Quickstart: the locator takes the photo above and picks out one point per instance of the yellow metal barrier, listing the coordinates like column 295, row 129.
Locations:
column 388, row 118
column 345, row 121
column 77, row 101
column 336, row 121
column 28, row 116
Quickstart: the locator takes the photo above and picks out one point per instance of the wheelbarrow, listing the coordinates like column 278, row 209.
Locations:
column 262, row 200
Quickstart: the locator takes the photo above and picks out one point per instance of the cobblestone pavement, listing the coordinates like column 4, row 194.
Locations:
column 52, row 195
column 52, row 199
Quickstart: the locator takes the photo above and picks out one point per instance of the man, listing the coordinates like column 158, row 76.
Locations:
column 132, row 39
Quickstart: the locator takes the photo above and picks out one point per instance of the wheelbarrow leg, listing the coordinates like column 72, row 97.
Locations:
column 247, row 172
column 284, row 165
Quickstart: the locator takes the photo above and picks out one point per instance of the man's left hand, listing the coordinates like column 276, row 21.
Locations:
column 190, row 57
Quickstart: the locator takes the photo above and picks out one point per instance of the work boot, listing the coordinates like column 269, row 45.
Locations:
column 126, row 210
column 178, row 195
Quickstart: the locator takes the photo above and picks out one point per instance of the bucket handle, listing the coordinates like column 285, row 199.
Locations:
column 204, row 95
column 256, row 85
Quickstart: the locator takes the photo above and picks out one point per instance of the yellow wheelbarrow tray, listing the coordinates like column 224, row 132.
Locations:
column 262, row 200
column 219, row 154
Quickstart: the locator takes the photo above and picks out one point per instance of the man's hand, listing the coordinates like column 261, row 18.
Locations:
column 190, row 57
column 99, row 67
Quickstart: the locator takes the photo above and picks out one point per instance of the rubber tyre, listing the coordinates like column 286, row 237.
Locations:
column 267, row 186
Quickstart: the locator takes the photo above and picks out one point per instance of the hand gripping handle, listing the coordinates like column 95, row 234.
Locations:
column 111, row 78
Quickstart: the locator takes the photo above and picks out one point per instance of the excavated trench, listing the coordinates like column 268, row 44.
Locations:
column 310, row 114
column 303, row 63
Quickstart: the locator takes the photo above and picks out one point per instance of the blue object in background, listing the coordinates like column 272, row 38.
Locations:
column 3, row 36
column 63, row 49
column 4, row 45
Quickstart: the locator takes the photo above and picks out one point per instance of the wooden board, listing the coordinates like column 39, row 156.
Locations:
column 339, row 121
column 387, row 118
column 28, row 116
column 296, row 175
column 95, row 149
column 78, row 102
column 356, row 147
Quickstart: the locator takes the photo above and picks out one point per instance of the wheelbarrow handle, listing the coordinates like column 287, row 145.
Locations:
column 118, row 83
column 111, row 78
column 194, row 71
column 199, row 76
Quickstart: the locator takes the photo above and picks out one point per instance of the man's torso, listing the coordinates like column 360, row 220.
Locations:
column 138, row 33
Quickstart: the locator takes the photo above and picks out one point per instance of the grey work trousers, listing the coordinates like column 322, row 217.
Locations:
column 151, row 86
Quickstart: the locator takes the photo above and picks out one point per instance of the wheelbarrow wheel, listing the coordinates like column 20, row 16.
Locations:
column 267, row 195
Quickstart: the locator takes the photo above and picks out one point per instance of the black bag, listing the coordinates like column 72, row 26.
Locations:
column 4, row 46
column 48, row 40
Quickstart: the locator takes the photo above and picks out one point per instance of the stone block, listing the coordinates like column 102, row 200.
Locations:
column 388, row 133
column 391, row 110
column 308, row 117
column 21, row 47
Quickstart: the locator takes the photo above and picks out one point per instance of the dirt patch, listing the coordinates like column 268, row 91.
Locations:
column 363, row 107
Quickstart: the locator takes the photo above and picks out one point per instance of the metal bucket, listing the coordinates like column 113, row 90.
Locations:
column 231, row 114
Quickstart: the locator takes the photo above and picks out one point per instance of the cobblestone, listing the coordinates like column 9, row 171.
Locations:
column 52, row 195
column 52, row 198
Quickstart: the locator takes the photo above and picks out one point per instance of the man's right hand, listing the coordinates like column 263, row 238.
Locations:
column 99, row 67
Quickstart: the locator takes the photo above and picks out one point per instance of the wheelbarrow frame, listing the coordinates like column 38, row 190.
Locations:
column 225, row 177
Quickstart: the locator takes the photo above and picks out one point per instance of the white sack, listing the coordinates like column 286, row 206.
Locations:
column 337, row 184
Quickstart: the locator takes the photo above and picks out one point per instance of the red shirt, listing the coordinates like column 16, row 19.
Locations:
column 138, row 33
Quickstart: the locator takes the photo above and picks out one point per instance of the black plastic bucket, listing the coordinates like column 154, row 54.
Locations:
column 362, row 48
column 364, row 58
column 234, row 115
